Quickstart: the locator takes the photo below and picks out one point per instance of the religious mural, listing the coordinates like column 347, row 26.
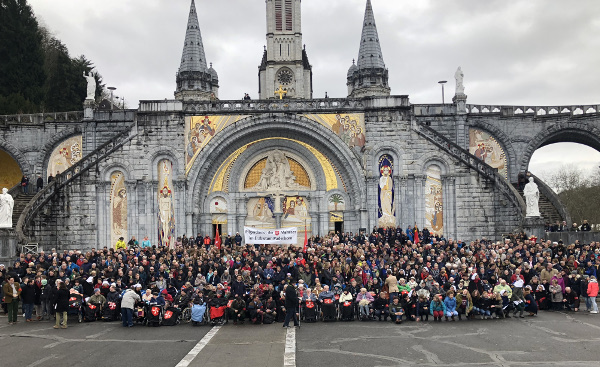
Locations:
column 295, row 214
column 434, row 200
column 218, row 209
column 10, row 172
column 387, row 210
column 200, row 130
column 166, row 210
column 65, row 155
column 118, row 207
column 349, row 127
column 336, row 203
column 486, row 147
column 260, row 213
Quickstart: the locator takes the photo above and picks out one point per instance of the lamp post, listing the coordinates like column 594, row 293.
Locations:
column 112, row 89
column 442, row 82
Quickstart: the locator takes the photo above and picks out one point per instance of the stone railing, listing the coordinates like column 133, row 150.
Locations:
column 65, row 178
column 532, row 110
column 473, row 162
column 41, row 118
column 325, row 105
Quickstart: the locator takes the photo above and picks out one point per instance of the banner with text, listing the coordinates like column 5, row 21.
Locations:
column 282, row 236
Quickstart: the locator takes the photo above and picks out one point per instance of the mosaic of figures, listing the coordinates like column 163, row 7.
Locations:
column 260, row 213
column 434, row 200
column 387, row 210
column 349, row 127
column 166, row 210
column 486, row 147
column 118, row 207
column 10, row 172
column 200, row 130
column 65, row 155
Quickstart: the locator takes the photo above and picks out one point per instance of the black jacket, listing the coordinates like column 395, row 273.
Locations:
column 291, row 297
column 61, row 300
column 28, row 294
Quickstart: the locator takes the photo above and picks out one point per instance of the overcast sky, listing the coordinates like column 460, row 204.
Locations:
column 527, row 52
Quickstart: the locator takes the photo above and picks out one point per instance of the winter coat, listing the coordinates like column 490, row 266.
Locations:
column 556, row 293
column 592, row 289
column 61, row 300
column 129, row 299
column 28, row 294
column 437, row 306
column 469, row 302
column 450, row 304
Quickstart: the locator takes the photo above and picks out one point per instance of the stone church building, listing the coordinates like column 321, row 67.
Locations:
column 197, row 163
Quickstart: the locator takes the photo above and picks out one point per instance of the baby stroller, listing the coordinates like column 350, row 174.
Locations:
column 91, row 312
column 217, row 315
column 171, row 316
column 347, row 311
column 198, row 314
column 75, row 306
column 309, row 311
column 154, row 315
column 110, row 312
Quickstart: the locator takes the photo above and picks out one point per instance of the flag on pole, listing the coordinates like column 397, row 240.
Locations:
column 416, row 234
column 218, row 239
column 305, row 240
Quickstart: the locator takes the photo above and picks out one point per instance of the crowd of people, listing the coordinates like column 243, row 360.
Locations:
column 386, row 274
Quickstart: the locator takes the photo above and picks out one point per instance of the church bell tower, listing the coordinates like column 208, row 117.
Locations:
column 285, row 62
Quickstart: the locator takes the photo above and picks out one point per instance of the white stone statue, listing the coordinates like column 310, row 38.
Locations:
column 277, row 174
column 459, row 76
column 91, row 86
column 6, row 209
column 532, row 198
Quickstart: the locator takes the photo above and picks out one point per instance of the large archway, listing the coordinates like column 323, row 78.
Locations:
column 302, row 141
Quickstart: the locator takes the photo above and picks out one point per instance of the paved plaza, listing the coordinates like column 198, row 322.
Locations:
column 551, row 339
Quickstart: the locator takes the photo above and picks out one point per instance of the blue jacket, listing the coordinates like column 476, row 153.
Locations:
column 434, row 306
column 450, row 304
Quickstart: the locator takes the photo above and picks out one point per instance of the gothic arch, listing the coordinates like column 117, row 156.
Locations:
column 119, row 165
column 160, row 153
column 435, row 158
column 17, row 155
column 292, row 127
column 581, row 133
column 395, row 152
column 51, row 143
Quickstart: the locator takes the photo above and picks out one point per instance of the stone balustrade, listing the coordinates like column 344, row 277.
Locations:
column 532, row 110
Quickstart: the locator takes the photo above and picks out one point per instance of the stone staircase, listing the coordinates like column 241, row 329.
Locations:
column 42, row 198
column 547, row 209
column 21, row 201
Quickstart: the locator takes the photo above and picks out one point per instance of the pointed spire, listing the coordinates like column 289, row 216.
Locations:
column 195, row 81
column 193, row 58
column 370, row 55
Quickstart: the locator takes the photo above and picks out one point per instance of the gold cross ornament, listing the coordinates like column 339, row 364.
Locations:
column 281, row 92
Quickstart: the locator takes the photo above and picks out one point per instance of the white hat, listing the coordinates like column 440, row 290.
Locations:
column 137, row 285
column 90, row 280
column 519, row 283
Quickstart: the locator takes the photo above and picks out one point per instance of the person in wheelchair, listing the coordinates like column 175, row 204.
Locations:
column 327, row 300
column 381, row 306
column 347, row 306
column 365, row 300
column 182, row 300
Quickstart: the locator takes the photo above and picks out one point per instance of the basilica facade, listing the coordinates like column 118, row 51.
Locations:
column 198, row 164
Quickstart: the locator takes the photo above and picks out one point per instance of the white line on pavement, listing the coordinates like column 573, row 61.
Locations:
column 201, row 344
column 289, row 357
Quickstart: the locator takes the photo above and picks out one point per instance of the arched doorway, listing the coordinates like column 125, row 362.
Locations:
column 10, row 170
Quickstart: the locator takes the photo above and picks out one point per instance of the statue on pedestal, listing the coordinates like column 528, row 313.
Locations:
column 459, row 76
column 532, row 198
column 6, row 209
column 91, row 86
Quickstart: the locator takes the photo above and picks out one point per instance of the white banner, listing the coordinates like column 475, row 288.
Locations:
column 282, row 236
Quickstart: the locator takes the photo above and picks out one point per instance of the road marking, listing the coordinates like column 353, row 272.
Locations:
column 105, row 331
column 289, row 357
column 43, row 360
column 201, row 344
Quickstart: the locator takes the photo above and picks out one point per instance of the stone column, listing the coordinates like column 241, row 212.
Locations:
column 103, row 214
column 152, row 211
column 420, row 200
column 403, row 215
column 180, row 220
column 132, row 212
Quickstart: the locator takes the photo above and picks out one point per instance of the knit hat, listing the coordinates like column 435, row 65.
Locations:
column 44, row 282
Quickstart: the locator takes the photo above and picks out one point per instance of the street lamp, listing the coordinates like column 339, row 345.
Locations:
column 112, row 89
column 442, row 82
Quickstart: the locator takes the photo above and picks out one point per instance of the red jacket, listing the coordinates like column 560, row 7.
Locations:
column 592, row 290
